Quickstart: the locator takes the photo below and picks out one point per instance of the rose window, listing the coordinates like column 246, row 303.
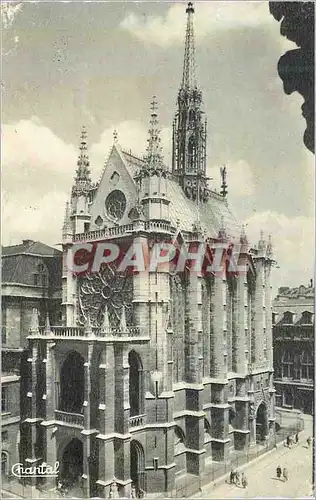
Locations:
column 106, row 288
column 115, row 204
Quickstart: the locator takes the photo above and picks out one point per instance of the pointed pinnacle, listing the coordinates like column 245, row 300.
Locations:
column 106, row 321
column 123, row 324
column 83, row 171
column 154, row 106
column 47, row 324
column 34, row 326
column 154, row 156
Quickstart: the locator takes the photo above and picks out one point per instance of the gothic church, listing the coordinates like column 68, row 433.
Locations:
column 153, row 377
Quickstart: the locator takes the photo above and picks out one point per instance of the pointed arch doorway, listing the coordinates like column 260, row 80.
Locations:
column 262, row 426
column 137, row 460
column 72, row 462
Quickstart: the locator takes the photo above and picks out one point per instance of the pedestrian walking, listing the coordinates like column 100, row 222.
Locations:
column 309, row 441
column 232, row 477
column 278, row 472
column 296, row 438
column 288, row 441
column 244, row 481
column 285, row 474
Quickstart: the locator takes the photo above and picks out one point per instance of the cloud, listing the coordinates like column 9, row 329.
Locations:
column 293, row 241
column 210, row 17
column 37, row 173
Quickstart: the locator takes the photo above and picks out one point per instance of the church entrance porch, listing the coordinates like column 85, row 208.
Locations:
column 72, row 465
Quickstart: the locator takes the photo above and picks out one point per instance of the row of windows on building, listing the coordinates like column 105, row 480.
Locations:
column 289, row 318
column 296, row 366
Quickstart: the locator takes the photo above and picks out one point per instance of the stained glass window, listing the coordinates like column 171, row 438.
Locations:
column 106, row 288
column 115, row 204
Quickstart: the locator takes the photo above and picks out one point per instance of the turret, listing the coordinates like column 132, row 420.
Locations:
column 152, row 177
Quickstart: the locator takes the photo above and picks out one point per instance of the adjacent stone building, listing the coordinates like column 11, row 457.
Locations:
column 158, row 374
column 31, row 279
column 294, row 348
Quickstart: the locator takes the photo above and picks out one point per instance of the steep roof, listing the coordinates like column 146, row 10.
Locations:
column 19, row 263
column 212, row 214
column 31, row 247
column 185, row 213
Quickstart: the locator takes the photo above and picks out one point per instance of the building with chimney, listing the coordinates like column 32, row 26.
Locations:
column 294, row 347
column 155, row 376
column 31, row 281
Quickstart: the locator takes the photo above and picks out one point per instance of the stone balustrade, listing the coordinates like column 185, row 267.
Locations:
column 75, row 419
column 79, row 331
column 137, row 420
column 112, row 232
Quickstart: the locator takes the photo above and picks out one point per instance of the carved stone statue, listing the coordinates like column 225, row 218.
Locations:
column 252, row 411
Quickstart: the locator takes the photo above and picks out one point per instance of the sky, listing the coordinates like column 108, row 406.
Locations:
column 98, row 64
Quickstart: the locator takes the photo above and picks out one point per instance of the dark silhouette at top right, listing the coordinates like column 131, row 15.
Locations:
column 296, row 67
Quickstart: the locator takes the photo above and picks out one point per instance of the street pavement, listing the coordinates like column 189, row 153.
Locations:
column 261, row 474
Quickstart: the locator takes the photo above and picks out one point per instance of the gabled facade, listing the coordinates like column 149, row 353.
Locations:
column 155, row 375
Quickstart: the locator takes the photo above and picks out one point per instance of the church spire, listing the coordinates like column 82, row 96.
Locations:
column 153, row 155
column 188, row 77
column 189, row 127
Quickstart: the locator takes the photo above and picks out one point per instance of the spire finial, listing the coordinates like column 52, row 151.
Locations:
column 222, row 235
column 224, row 191
column 115, row 137
column 153, row 155
column 188, row 78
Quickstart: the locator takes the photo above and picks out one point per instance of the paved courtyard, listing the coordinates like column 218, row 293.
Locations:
column 261, row 474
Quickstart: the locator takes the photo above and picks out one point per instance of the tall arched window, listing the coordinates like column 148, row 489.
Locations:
column 191, row 154
column 177, row 289
column 307, row 366
column 179, row 439
column 207, row 431
column 72, row 383
column 4, row 464
column 287, row 365
column 135, row 384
